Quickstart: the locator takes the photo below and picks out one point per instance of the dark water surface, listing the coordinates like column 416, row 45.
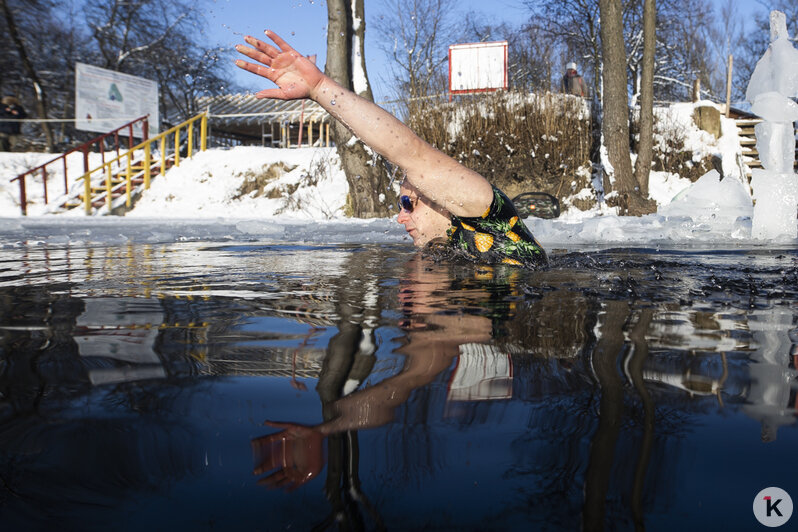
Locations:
column 620, row 389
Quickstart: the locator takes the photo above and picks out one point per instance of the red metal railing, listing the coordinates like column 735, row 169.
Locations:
column 84, row 148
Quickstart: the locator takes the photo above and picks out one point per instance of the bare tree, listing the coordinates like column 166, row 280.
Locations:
column 369, row 193
column 615, row 122
column 160, row 40
column 415, row 35
column 575, row 25
column 646, row 145
column 683, row 53
column 21, row 49
column 127, row 31
column 727, row 36
column 532, row 52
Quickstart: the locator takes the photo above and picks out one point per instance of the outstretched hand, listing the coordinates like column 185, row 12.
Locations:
column 295, row 453
column 295, row 75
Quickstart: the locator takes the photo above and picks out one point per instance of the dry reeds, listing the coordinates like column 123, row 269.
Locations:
column 536, row 142
column 520, row 142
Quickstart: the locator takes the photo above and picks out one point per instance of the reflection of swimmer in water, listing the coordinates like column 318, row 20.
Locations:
column 435, row 335
column 440, row 199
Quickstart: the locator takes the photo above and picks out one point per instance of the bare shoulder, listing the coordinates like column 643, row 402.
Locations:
column 457, row 188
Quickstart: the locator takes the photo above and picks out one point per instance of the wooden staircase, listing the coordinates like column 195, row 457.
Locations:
column 745, row 131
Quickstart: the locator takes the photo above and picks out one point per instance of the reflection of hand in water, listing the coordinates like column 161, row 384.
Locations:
column 295, row 453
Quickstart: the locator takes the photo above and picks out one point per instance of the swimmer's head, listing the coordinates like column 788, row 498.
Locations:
column 423, row 219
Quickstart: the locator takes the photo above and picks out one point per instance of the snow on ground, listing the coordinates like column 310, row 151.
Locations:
column 209, row 185
column 13, row 164
column 204, row 199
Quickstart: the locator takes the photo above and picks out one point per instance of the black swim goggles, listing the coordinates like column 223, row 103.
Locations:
column 407, row 203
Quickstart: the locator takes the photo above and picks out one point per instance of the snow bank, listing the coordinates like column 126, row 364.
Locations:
column 309, row 185
column 298, row 195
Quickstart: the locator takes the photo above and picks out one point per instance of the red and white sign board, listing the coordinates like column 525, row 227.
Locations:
column 477, row 67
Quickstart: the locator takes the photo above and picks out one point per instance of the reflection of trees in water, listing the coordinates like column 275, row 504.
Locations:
column 349, row 359
column 615, row 363
column 64, row 442
column 610, row 414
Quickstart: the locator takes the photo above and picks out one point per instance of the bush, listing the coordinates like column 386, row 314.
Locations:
column 672, row 155
column 518, row 142
column 543, row 143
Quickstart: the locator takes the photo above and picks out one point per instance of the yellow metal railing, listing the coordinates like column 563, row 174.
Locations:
column 172, row 134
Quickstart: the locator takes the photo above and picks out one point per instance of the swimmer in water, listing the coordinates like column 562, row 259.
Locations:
column 441, row 201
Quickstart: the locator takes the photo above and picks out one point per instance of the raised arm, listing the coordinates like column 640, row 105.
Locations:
column 440, row 178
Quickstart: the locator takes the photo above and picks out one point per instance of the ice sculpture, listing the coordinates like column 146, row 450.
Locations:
column 771, row 90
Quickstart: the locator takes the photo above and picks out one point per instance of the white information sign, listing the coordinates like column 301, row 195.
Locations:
column 477, row 67
column 106, row 100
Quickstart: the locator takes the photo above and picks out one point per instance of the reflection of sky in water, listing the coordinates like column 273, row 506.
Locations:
column 135, row 378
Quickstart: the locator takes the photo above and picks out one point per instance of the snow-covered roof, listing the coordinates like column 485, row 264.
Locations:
column 246, row 110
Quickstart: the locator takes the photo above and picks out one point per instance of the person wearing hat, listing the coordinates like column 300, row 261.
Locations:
column 442, row 204
column 572, row 82
column 10, row 129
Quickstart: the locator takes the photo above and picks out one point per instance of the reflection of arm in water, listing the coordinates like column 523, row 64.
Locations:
column 429, row 352
column 433, row 340
column 296, row 452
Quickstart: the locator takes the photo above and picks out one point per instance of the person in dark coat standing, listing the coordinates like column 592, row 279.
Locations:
column 572, row 82
column 10, row 129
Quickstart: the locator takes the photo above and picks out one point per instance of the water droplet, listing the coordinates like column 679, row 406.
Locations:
column 332, row 102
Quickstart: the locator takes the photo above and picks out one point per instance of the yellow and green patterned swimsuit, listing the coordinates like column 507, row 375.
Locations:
column 497, row 237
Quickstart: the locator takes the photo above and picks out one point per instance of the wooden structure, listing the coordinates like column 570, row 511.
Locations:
column 746, row 122
column 242, row 119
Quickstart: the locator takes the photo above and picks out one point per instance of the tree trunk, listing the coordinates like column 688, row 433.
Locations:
column 38, row 89
column 615, row 122
column 368, row 181
column 598, row 473
column 646, row 146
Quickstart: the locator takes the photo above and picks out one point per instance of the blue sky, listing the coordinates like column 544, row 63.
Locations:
column 303, row 24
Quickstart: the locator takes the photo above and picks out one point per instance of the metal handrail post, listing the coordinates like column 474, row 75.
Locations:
column 66, row 182
column 177, row 146
column 190, row 139
column 44, row 182
column 204, row 131
column 147, row 155
column 128, row 201
column 23, row 203
column 87, row 192
column 108, row 186
column 163, row 155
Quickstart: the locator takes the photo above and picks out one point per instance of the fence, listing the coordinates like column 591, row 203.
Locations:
column 84, row 148
column 145, row 165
